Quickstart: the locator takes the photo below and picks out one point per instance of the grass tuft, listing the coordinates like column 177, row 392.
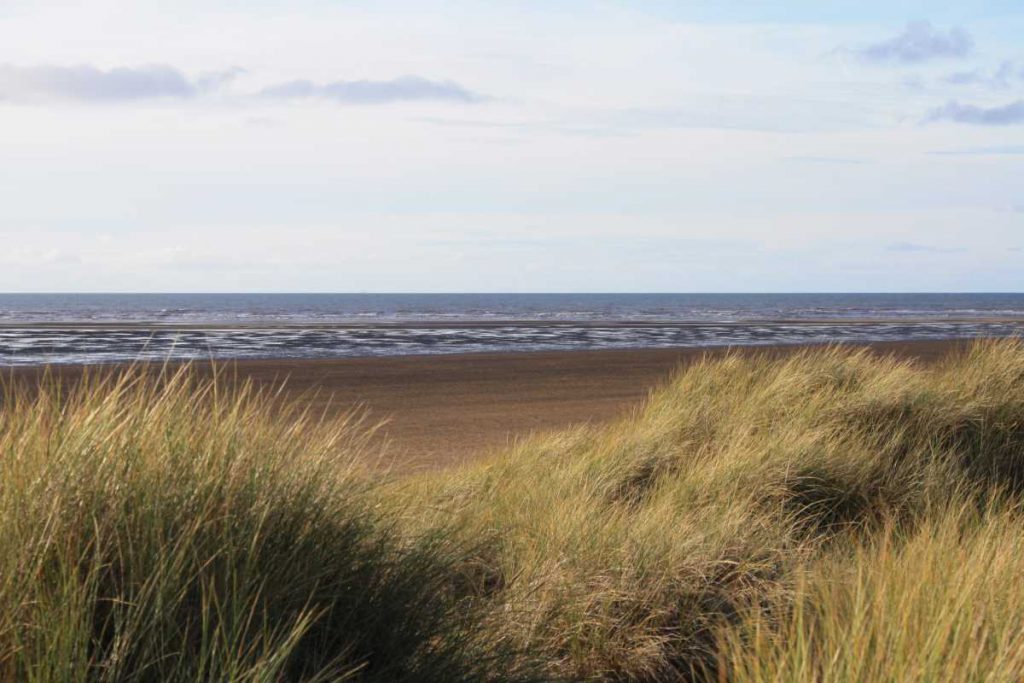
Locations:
column 162, row 528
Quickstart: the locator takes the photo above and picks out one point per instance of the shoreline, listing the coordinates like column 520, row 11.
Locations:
column 446, row 409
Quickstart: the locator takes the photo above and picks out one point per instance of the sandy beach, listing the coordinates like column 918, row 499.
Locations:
column 447, row 342
column 442, row 410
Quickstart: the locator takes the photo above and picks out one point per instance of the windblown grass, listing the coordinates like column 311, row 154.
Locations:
column 622, row 552
column 829, row 516
column 940, row 603
column 154, row 528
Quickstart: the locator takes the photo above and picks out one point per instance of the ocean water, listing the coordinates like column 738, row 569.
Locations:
column 98, row 328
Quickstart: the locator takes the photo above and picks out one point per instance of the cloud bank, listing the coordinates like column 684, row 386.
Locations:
column 919, row 42
column 402, row 89
column 1005, row 115
column 87, row 83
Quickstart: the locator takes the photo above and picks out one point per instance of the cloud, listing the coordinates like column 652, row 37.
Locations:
column 965, row 78
column 1005, row 115
column 401, row 89
column 214, row 80
column 841, row 161
column 912, row 247
column 641, row 244
column 87, row 83
column 1002, row 77
column 183, row 258
column 33, row 256
column 973, row 151
column 919, row 42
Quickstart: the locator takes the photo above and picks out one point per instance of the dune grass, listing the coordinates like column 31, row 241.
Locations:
column 623, row 552
column 939, row 603
column 153, row 528
column 828, row 516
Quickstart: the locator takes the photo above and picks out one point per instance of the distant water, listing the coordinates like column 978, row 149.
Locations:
column 95, row 328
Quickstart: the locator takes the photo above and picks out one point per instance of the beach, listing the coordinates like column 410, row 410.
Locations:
column 475, row 342
column 442, row 410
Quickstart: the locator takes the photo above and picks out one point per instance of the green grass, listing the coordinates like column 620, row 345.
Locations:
column 829, row 516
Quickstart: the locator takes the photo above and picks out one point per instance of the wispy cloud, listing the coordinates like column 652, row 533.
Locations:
column 1002, row 77
column 213, row 80
column 978, row 151
column 964, row 77
column 635, row 245
column 32, row 256
column 840, row 161
column 919, row 42
column 913, row 247
column 751, row 112
column 404, row 88
column 1004, row 115
column 86, row 83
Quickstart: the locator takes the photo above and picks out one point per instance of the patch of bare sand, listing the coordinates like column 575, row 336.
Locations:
column 444, row 410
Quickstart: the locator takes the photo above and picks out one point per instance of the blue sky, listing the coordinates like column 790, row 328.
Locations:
column 519, row 146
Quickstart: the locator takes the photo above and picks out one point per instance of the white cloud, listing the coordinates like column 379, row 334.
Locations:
column 86, row 83
column 1003, row 76
column 34, row 257
column 1000, row 115
column 920, row 42
column 402, row 89
column 914, row 248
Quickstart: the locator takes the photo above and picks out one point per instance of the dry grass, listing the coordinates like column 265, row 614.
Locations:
column 622, row 552
column 158, row 529
column 830, row 516
column 939, row 603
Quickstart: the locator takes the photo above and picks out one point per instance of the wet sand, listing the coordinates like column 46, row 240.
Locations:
column 445, row 409
column 150, row 326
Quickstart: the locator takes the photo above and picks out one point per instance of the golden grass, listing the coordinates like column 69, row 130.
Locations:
column 830, row 516
column 621, row 552
column 154, row 528
column 939, row 603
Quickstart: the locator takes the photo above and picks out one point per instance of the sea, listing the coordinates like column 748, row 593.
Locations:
column 107, row 328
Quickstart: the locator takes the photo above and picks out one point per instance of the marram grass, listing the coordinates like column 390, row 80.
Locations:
column 153, row 528
column 829, row 516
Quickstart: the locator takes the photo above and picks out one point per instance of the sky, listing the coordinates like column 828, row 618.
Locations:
column 348, row 146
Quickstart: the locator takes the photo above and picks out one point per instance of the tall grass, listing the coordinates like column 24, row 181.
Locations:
column 158, row 528
column 832, row 515
column 940, row 603
column 622, row 552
